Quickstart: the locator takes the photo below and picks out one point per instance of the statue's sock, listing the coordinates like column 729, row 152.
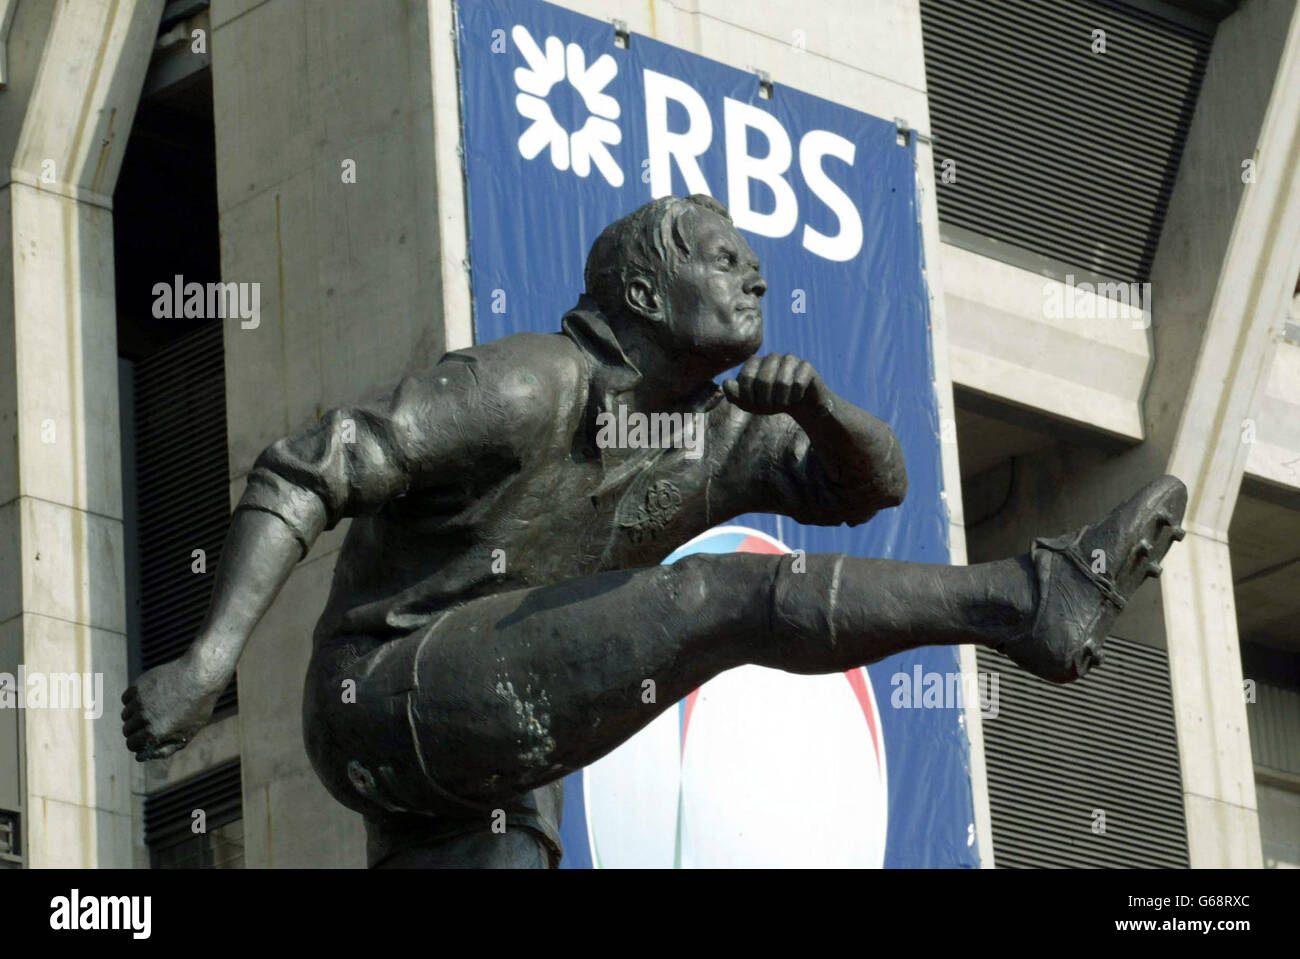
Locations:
column 835, row 611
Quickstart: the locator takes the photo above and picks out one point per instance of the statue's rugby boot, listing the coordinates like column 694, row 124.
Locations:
column 1081, row 591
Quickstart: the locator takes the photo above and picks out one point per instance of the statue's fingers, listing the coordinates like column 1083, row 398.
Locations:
column 139, row 740
column 130, row 694
column 805, row 374
column 766, row 379
column 783, row 391
column 803, row 379
column 133, row 725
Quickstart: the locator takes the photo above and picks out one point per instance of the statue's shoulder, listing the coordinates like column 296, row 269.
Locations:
column 524, row 371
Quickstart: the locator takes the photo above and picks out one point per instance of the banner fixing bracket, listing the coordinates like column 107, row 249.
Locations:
column 905, row 133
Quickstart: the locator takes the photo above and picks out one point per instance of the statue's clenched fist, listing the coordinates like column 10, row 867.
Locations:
column 776, row 383
column 166, row 708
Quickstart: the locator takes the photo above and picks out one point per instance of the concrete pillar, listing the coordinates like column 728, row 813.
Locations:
column 331, row 197
column 1255, row 284
column 76, row 74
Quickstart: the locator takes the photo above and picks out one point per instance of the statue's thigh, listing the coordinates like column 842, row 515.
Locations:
column 378, row 725
column 358, row 731
column 363, row 729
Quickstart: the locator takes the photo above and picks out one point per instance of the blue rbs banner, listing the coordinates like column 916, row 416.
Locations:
column 566, row 130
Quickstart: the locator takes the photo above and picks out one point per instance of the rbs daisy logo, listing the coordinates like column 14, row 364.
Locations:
column 586, row 145
column 570, row 109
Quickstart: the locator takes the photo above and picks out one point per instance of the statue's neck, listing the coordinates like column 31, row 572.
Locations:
column 666, row 381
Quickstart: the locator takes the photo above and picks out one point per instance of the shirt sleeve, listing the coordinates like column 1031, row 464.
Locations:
column 791, row 479
column 357, row 458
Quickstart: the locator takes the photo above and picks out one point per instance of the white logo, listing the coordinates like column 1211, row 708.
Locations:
column 587, row 145
column 99, row 913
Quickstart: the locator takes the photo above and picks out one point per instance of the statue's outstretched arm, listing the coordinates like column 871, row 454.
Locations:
column 293, row 493
column 172, row 702
column 349, row 463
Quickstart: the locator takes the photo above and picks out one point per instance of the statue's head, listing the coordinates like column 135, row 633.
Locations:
column 680, row 271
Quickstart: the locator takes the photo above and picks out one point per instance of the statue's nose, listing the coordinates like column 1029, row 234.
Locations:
column 756, row 284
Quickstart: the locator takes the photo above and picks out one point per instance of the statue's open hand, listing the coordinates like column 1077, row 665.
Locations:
column 165, row 709
column 776, row 384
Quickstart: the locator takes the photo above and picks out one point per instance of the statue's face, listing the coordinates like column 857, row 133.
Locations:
column 713, row 301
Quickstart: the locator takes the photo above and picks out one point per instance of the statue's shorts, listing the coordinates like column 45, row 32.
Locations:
column 362, row 731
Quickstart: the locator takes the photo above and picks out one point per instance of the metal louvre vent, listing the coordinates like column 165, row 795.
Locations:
column 182, row 489
column 169, row 818
column 1274, row 720
column 1060, row 755
column 1058, row 151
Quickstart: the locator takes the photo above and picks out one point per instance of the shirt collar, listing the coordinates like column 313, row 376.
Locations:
column 612, row 372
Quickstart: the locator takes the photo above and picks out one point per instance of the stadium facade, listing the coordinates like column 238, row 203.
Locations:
column 1109, row 206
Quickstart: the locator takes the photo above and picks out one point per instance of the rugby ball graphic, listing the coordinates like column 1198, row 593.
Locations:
column 756, row 768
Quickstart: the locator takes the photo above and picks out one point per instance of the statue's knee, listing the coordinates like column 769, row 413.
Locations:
column 723, row 589
column 692, row 579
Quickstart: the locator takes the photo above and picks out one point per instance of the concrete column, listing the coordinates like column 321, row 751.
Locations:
column 77, row 71
column 1255, row 285
column 453, row 235
column 332, row 191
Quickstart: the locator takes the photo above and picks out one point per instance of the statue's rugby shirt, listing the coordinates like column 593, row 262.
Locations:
column 494, row 449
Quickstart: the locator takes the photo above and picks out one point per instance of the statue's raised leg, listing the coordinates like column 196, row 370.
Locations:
column 509, row 692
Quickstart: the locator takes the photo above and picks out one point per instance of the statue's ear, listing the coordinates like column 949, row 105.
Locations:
column 641, row 298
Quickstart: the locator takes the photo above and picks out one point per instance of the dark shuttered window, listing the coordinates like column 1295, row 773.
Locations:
column 1086, row 774
column 197, row 824
column 182, row 493
column 1057, row 154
